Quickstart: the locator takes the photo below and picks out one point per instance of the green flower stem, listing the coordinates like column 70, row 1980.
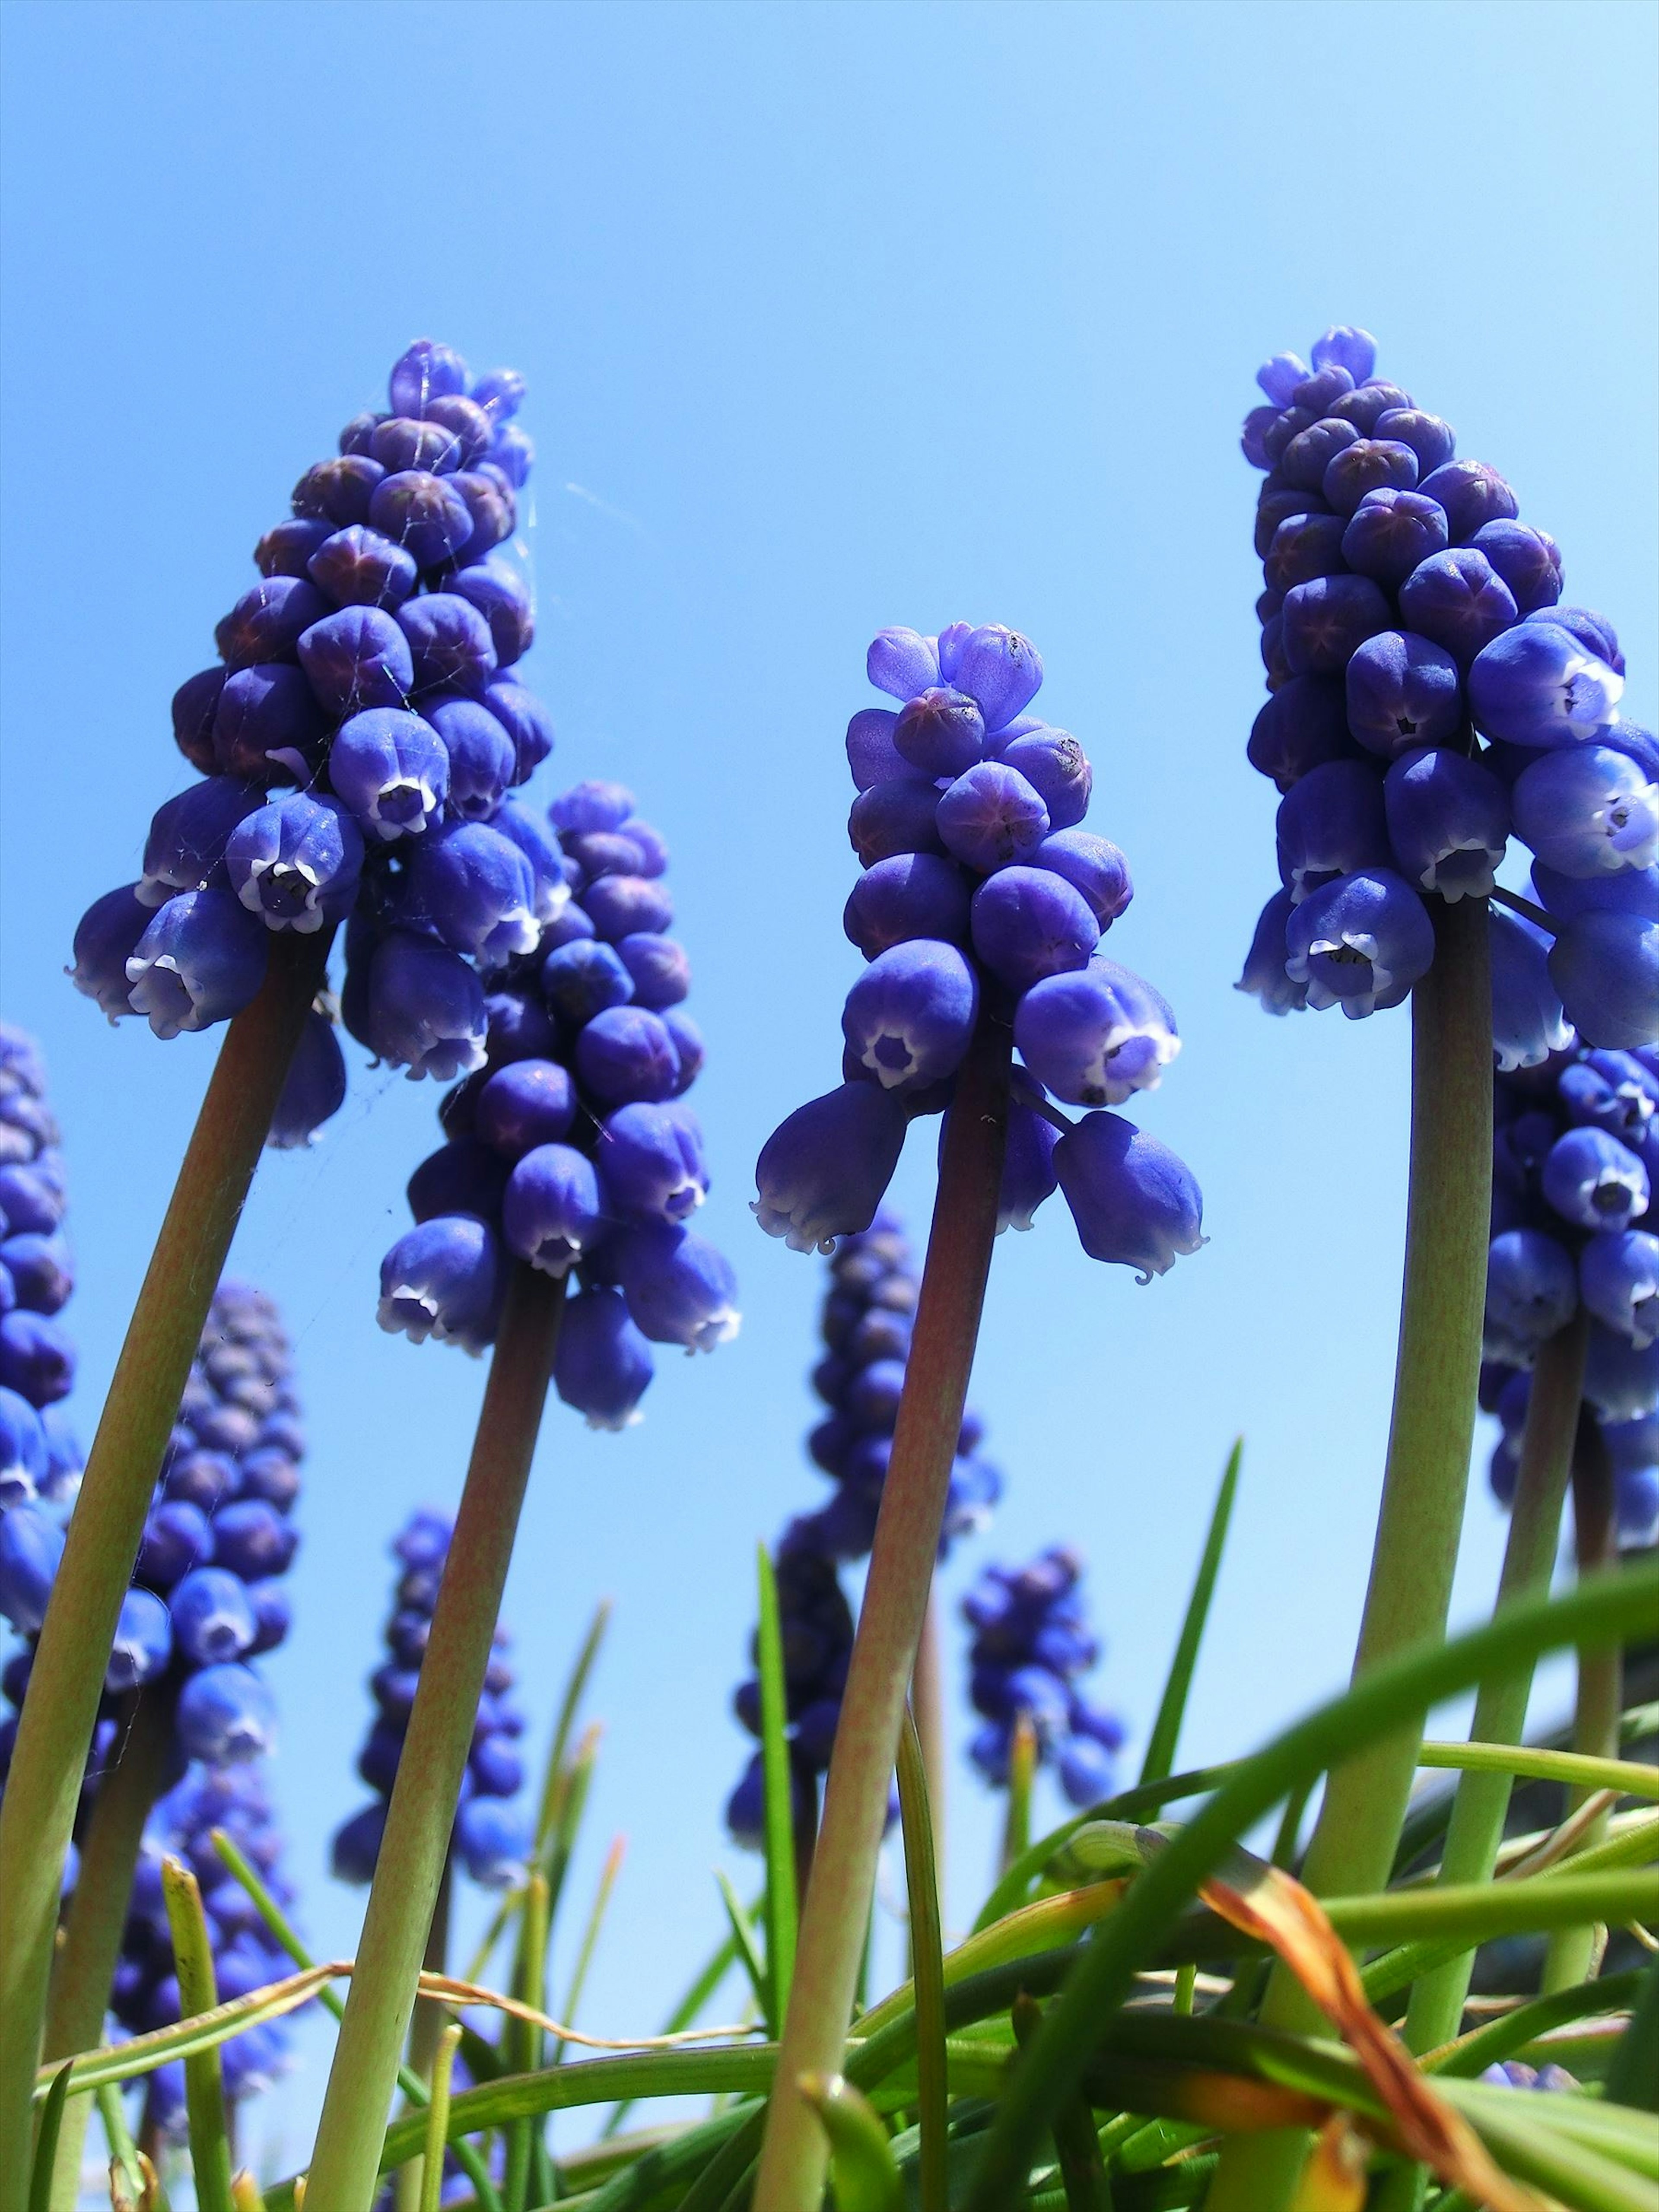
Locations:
column 927, row 1702
column 1600, row 1678
column 425, row 2032
column 87, row 1957
column 837, row 1909
column 421, row 1812
column 1482, row 1803
column 55, row 1728
column 1425, row 1480
column 204, row 2084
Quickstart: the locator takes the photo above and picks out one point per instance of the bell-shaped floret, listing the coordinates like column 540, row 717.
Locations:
column 824, row 1172
column 314, row 1088
column 1528, row 1024
column 1605, row 963
column 201, row 960
column 1391, row 532
column 990, row 816
column 31, row 1546
column 1360, row 943
column 295, row 862
column 477, row 890
column 552, row 1210
column 442, row 1278
column 212, row 1617
column 1134, row 1202
column 679, row 1289
column 1536, row 685
column 356, row 660
column 1621, row 1381
column 626, row 1053
column 1532, row 1291
column 426, row 1008
column 652, row 1162
column 1094, row 1037
column 603, row 1365
column 1264, row 977
column 226, row 1715
column 185, row 846
column 23, row 1453
column 910, row 895
column 390, row 770
column 142, row 1644
column 1619, row 1277
column 1586, row 810
column 482, row 757
column 1449, row 821
column 105, row 938
column 1594, row 1181
column 1332, row 823
column 909, row 1017
column 1029, row 923
column 1403, row 691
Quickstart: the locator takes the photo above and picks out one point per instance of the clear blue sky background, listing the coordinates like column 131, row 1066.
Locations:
column 833, row 317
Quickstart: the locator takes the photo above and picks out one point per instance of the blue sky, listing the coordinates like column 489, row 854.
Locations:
column 832, row 317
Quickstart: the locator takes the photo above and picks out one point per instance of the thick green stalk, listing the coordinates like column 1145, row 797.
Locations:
column 1425, row 1482
column 87, row 1957
column 1482, row 1803
column 836, row 1910
column 1601, row 1676
column 423, row 1808
column 43, row 1787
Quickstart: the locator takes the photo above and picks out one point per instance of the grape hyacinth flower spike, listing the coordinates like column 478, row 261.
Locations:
column 39, row 1460
column 980, row 912
column 1031, row 1645
column 388, row 595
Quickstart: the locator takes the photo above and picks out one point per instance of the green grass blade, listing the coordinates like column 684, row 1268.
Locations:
column 665, row 2167
column 1166, row 1729
column 1633, row 2077
column 205, row 2086
column 1022, row 1776
column 728, row 2172
column 927, row 1967
column 123, row 2151
column 46, row 2140
column 707, row 1980
column 744, row 1943
column 1513, row 2031
column 781, row 1904
column 612, row 1867
column 1629, row 1777
column 862, row 2173
column 547, row 1818
column 437, row 2119
column 1603, row 1610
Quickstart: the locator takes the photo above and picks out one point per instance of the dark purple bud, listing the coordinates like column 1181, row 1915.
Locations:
column 1252, row 442
column 295, row 862
column 1391, row 533
column 1402, row 691
column 1327, row 619
column 1293, row 421
column 194, row 706
column 357, row 1847
column 530, row 1102
column 491, row 509
column 1278, row 503
column 272, row 1476
column 314, row 1088
column 465, row 1175
column 658, row 966
column 910, row 895
column 1057, row 768
column 940, row 732
column 552, row 1211
column 1360, row 943
column 1305, row 460
column 427, row 371
column 472, row 425
column 871, row 752
column 688, row 1043
column 177, row 1537
column 1346, row 347
column 626, row 1053
column 1537, row 685
column 358, row 568
column 1265, row 978
column 391, row 770
column 422, row 513
column 1094, row 1037
column 1090, row 865
column 268, row 726
column 1279, row 377
column 1528, row 562
column 226, row 1715
column 623, row 906
column 475, row 888
column 185, row 848
column 824, row 1172
column 1368, row 465
column 897, row 816
column 1473, row 493
column 1302, row 725
column 583, row 978
column 1135, row 1203
column 497, row 594
column 201, row 960
column 252, row 1540
column 357, row 659
column 991, row 816
column 1304, row 546
column 267, row 623
column 1449, row 823
column 1458, row 599
column 1367, row 403
column 426, row 1010
column 679, row 1289
column 286, row 551
column 909, row 1017
column 42, row 1270
column 652, row 1162
column 442, row 1278
column 1429, row 438
column 404, row 442
column 512, row 454
column 1029, row 923
column 338, row 492
column 525, row 720
column 602, row 1365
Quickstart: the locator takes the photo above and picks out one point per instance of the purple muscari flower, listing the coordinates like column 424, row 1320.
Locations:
column 286, row 549
column 295, row 862
column 1429, row 438
column 824, row 1172
column 1302, row 724
column 482, row 758
column 1306, row 458
column 1360, row 943
column 142, row 1644
column 903, row 663
column 1537, row 685
column 358, row 568
column 1370, row 464
column 1134, row 1202
column 991, row 816
column 422, row 513
column 603, row 1365
column 552, row 1208
column 1449, row 821
column 226, row 1715
column 1057, row 768
column 494, row 1841
column 1090, row 865
column 212, row 1615
column 1030, row 1645
column 1594, row 632
column 201, row 960
column 31, row 1545
column 105, row 938
column 1528, row 1022
column 679, row 1289
column 871, row 754
column 500, row 596
column 525, row 721
column 1303, row 546
column 625, row 1053
column 657, row 968
column 1607, row 968
column 1620, row 1380
column 1616, row 1090
column 185, row 849
column 442, row 1278
column 1532, row 1291
column 1028, row 1167
column 1331, row 823
column 23, row 1456
column 583, row 978
column 1029, row 922
column 940, row 732
column 36, row 1359
column 1390, row 533
column 391, row 772
column 1403, row 691
column 1473, row 493
column 909, row 1017
column 475, row 888
column 178, row 1536
column 1586, row 810
column 1593, row 1180
column 896, row 816
column 426, row 1008
column 267, row 623
column 252, row 1540
column 621, row 906
column 338, row 490
column 449, row 642
column 1096, row 1036
column 268, row 726
column 528, row 1103
column 1618, row 1279
column 650, row 1161
column 1457, row 599
column 314, row 1088
column 998, row 667
column 402, row 441
column 910, row 895
column 1528, row 562
column 514, row 821
column 1327, row 619
column 356, row 660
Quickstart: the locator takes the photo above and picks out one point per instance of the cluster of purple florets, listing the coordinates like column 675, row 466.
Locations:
column 571, row 1147
column 357, row 740
column 208, row 1594
column 980, row 885
column 491, row 1834
column 39, row 1458
column 1575, row 1160
column 1031, row 1643
column 867, row 1315
column 246, row 1957
column 1431, row 698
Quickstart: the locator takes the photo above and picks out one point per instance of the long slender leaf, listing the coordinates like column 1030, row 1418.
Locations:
column 754, row 1965
column 927, row 1966
column 781, row 1904
column 123, row 2151
column 437, row 2119
column 1633, row 2077
column 612, row 1867
column 1628, row 1776
column 726, row 2173
column 547, row 1817
column 1172, row 1706
column 1513, row 2031
column 861, row 2169
column 1602, row 1610
column 204, row 2085
column 45, row 2139
column 666, row 2165
column 1082, row 2169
